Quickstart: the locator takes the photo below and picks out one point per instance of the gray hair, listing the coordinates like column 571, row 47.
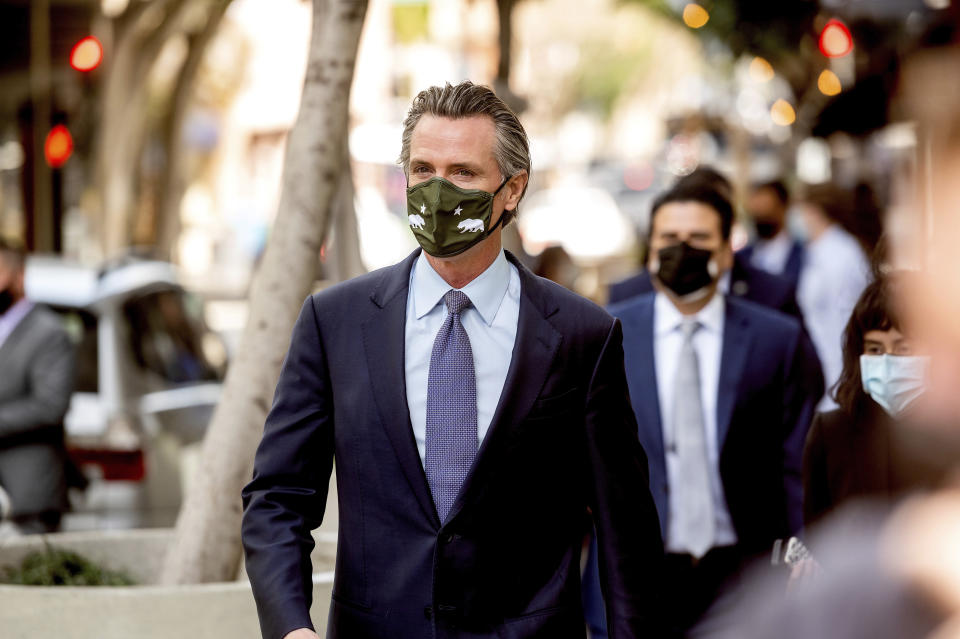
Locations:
column 464, row 100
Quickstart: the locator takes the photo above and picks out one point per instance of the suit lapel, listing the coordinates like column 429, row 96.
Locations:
column 640, row 365
column 736, row 345
column 534, row 350
column 383, row 342
column 638, row 350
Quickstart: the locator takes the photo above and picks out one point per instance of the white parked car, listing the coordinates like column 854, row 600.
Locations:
column 149, row 370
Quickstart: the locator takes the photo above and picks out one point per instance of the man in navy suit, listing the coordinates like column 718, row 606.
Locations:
column 743, row 280
column 720, row 390
column 475, row 411
column 773, row 250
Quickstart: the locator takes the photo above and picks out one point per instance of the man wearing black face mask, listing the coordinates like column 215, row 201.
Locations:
column 717, row 384
column 36, row 379
column 773, row 250
column 742, row 280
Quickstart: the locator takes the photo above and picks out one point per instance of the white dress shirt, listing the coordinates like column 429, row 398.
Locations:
column 490, row 323
column 772, row 255
column 12, row 318
column 708, row 342
column 834, row 274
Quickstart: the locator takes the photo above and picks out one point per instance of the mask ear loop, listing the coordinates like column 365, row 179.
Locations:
column 502, row 215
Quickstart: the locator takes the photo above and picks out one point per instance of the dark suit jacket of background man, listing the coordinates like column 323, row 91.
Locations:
column 746, row 281
column 36, row 379
column 507, row 561
column 764, row 410
column 791, row 270
column 753, row 285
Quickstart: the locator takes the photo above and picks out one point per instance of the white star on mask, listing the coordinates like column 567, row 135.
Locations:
column 457, row 212
column 423, row 208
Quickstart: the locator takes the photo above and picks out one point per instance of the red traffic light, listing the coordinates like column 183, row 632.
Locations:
column 58, row 147
column 86, row 54
column 835, row 39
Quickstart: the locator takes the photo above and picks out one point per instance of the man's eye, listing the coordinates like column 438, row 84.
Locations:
column 465, row 172
column 420, row 169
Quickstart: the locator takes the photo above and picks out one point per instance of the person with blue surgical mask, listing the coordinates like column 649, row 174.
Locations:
column 857, row 450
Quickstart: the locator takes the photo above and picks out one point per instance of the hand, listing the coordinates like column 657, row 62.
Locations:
column 803, row 571
column 301, row 633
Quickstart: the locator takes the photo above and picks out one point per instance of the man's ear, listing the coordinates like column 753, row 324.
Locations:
column 725, row 257
column 513, row 189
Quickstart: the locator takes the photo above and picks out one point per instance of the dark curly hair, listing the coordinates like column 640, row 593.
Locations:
column 875, row 311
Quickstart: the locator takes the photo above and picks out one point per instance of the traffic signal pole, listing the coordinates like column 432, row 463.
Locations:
column 40, row 210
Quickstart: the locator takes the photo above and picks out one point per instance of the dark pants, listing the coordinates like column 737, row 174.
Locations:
column 42, row 523
column 690, row 586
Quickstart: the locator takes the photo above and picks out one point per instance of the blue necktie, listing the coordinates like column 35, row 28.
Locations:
column 451, row 408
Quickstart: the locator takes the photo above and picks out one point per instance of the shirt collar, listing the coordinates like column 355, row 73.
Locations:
column 666, row 317
column 829, row 236
column 13, row 316
column 781, row 240
column 485, row 291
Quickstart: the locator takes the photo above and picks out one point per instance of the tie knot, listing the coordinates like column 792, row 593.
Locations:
column 456, row 301
column 689, row 326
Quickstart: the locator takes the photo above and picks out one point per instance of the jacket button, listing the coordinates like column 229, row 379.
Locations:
column 428, row 612
column 447, row 538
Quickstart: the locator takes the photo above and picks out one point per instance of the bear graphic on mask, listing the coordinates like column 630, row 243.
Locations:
column 415, row 221
column 470, row 226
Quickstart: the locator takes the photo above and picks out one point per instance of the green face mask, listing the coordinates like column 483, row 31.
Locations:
column 446, row 219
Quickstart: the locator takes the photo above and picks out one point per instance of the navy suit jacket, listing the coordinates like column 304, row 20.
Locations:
column 791, row 270
column 747, row 282
column 764, row 409
column 506, row 563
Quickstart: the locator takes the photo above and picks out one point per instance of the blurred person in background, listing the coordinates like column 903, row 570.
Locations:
column 555, row 264
column 899, row 576
column 773, row 249
column 719, row 387
column 835, row 272
column 861, row 449
column 37, row 364
column 741, row 280
column 475, row 412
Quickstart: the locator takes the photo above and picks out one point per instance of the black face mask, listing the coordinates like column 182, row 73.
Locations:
column 6, row 300
column 684, row 269
column 766, row 230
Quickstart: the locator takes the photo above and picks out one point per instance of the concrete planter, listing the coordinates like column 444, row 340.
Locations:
column 205, row 611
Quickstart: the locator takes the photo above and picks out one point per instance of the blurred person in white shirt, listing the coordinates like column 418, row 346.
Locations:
column 835, row 271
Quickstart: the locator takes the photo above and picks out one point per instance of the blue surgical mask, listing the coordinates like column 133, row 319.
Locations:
column 893, row 381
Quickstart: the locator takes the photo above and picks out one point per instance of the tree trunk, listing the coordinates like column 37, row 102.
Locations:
column 123, row 117
column 505, row 39
column 167, row 219
column 343, row 243
column 207, row 541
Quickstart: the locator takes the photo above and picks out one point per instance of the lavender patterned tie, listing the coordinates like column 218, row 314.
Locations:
column 451, row 407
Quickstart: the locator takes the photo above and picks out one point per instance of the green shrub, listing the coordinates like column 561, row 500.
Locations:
column 59, row 567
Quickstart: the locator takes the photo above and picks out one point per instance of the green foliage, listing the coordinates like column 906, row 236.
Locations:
column 59, row 567
column 411, row 21
column 605, row 73
column 770, row 29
